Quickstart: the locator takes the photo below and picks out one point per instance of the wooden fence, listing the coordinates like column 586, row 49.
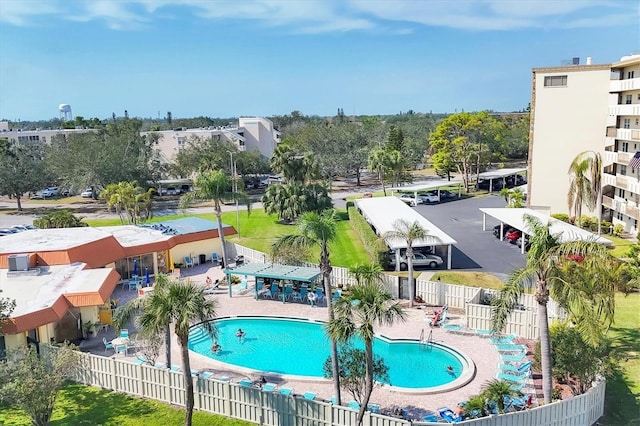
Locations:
column 268, row 408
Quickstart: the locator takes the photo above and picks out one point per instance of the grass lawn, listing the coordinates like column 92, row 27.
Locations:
column 470, row 279
column 258, row 231
column 622, row 405
column 82, row 405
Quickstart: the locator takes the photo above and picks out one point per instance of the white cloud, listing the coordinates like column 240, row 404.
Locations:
column 319, row 16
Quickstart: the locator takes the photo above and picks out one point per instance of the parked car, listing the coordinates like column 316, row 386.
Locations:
column 7, row 231
column 170, row 190
column 429, row 197
column 20, row 228
column 513, row 235
column 446, row 194
column 49, row 192
column 87, row 193
column 419, row 259
column 410, row 200
column 496, row 230
column 421, row 250
column 527, row 244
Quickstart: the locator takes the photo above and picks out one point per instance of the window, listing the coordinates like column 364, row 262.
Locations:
column 623, row 171
column 628, row 99
column 555, row 81
column 3, row 348
column 620, row 216
column 625, row 146
column 626, row 123
column 635, row 223
column 630, row 74
column 181, row 140
column 621, row 192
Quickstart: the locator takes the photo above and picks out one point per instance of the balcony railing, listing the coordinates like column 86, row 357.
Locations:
column 608, row 202
column 628, row 134
column 624, row 109
column 624, row 85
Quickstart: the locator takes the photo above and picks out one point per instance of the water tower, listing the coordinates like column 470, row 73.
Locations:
column 65, row 112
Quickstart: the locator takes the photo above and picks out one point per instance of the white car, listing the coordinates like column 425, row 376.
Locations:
column 428, row 198
column 419, row 259
column 87, row 193
column 410, row 200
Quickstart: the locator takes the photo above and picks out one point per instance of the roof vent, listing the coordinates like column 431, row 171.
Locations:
column 18, row 262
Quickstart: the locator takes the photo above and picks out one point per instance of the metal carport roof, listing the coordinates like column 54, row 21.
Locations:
column 424, row 186
column 515, row 218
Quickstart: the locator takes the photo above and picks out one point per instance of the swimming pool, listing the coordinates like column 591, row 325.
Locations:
column 300, row 348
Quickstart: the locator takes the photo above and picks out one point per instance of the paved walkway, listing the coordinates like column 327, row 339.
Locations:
column 480, row 350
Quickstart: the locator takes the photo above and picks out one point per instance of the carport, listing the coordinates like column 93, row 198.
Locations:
column 273, row 271
column 499, row 174
column 382, row 213
column 426, row 186
column 515, row 218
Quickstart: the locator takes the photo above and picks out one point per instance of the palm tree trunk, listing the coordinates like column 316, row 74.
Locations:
column 412, row 286
column 325, row 267
column 599, row 208
column 545, row 352
column 167, row 344
column 368, row 384
column 188, row 380
column 223, row 245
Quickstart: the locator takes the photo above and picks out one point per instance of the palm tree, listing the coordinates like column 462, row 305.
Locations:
column 369, row 272
column 409, row 233
column 182, row 304
column 579, row 188
column 543, row 271
column 366, row 305
column 496, row 390
column 215, row 186
column 593, row 197
column 378, row 162
column 318, row 230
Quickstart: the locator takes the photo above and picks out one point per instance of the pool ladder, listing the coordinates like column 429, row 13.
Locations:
column 428, row 341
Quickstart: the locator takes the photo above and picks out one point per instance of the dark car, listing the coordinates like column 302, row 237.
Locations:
column 446, row 194
column 496, row 230
column 527, row 244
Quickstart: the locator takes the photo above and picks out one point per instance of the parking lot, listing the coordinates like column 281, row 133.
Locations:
column 476, row 249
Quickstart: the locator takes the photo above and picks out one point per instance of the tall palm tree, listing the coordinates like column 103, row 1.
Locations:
column 318, row 230
column 182, row 304
column 215, row 186
column 593, row 198
column 579, row 188
column 543, row 271
column 409, row 233
column 378, row 162
column 366, row 305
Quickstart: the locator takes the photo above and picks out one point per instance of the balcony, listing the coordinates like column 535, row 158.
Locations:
column 624, row 110
column 624, row 85
column 628, row 134
column 608, row 202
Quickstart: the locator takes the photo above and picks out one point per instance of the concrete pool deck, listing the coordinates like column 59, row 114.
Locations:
column 480, row 350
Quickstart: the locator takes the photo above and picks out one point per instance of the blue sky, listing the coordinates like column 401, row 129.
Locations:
column 271, row 57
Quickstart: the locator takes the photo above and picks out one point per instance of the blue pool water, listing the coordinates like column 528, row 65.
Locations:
column 298, row 347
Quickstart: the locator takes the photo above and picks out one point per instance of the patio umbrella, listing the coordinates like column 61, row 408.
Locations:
column 146, row 276
column 135, row 267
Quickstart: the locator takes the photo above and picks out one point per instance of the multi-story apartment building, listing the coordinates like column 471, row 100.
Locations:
column 252, row 133
column 621, row 174
column 581, row 108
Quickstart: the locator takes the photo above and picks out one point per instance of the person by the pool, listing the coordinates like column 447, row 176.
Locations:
column 240, row 335
column 216, row 347
column 450, row 370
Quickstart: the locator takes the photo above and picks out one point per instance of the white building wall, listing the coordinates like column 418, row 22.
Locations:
column 566, row 120
column 259, row 134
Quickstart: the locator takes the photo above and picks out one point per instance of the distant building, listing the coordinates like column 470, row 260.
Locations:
column 252, row 133
column 38, row 135
column 580, row 108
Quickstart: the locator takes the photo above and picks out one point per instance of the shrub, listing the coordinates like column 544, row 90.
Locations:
column 372, row 243
column 618, row 229
column 605, row 226
column 587, row 221
column 561, row 216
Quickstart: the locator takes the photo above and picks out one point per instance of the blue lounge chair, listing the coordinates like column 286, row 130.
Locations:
column 206, row 375
column 214, row 257
column 302, row 294
column 309, row 395
column 159, row 365
column 522, row 368
column 507, row 347
column 449, row 415
column 503, row 339
column 245, row 383
column 452, row 328
column 273, row 291
column 288, row 290
column 354, row 405
column 188, row 261
column 107, row 345
column 430, row 417
column 269, row 387
column 175, row 368
column 140, row 360
column 516, row 378
column 484, row 333
column 226, row 379
column 443, row 319
column 514, row 358
column 124, row 333
column 336, row 295
column 374, row 408
column 286, row 391
column 319, row 295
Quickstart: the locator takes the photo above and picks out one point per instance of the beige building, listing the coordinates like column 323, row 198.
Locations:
column 581, row 108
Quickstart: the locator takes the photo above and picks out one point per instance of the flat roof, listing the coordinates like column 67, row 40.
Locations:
column 57, row 239
column 35, row 292
column 382, row 212
column 423, row 186
column 566, row 231
column 500, row 173
column 276, row 271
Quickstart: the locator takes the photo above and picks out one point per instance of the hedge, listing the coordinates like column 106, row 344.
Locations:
column 374, row 245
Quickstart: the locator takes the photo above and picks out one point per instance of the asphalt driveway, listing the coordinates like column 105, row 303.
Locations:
column 476, row 249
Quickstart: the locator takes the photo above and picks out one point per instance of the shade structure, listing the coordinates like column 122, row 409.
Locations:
column 274, row 271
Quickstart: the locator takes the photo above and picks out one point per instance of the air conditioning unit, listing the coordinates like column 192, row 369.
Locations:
column 18, row 262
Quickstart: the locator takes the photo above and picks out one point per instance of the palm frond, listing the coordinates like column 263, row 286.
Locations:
column 507, row 299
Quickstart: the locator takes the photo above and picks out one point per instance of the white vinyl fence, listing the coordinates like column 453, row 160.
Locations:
column 268, row 408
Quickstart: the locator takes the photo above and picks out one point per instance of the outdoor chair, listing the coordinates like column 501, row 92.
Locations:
column 288, row 290
column 188, row 262
column 514, row 358
column 301, row 295
column 269, row 387
column 503, row 339
column 107, row 345
column 507, row 347
column 336, row 295
column 309, row 395
column 121, row 348
column 513, row 376
column 214, row 257
column 319, row 295
column 245, row 383
column 286, row 391
column 374, row 408
column 273, row 291
column 124, row 332
column 509, row 368
column 354, row 405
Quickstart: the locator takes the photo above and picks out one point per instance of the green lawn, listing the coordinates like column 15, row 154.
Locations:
column 470, row 279
column 622, row 406
column 258, row 230
column 81, row 405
